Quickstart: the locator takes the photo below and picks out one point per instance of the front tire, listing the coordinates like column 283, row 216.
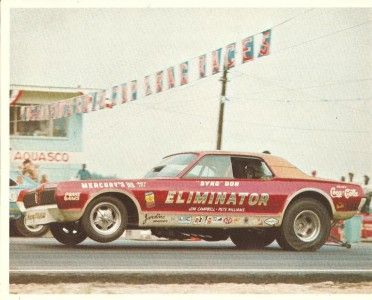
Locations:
column 68, row 233
column 29, row 231
column 246, row 238
column 105, row 219
column 305, row 227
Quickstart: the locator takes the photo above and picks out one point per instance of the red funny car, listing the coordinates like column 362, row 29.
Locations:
column 251, row 198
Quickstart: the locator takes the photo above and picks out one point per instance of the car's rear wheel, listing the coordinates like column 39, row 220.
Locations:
column 246, row 238
column 305, row 227
column 12, row 228
column 29, row 231
column 105, row 219
column 68, row 233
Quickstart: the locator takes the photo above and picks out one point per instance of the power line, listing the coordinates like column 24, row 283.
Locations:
column 288, row 100
column 348, row 81
column 294, row 17
column 322, row 36
column 272, row 82
column 336, row 83
column 298, row 128
column 263, row 124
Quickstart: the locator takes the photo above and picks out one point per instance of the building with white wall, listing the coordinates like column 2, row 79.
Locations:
column 55, row 146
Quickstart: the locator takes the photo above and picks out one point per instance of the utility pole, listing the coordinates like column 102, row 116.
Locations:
column 222, row 108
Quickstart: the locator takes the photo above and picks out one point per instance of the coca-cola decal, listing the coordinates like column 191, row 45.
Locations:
column 343, row 192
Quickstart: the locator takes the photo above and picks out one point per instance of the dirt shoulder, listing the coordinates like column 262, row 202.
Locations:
column 231, row 288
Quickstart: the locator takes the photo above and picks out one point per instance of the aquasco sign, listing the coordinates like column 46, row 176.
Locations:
column 47, row 157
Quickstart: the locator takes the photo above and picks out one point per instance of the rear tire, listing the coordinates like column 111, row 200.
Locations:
column 105, row 219
column 281, row 242
column 305, row 227
column 68, row 233
column 246, row 238
column 29, row 231
column 12, row 229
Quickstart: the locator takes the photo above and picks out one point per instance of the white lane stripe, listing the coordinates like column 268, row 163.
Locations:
column 191, row 271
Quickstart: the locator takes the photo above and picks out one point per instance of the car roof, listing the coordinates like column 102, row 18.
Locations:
column 281, row 167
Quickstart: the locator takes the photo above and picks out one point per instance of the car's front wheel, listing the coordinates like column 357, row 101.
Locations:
column 68, row 233
column 105, row 219
column 29, row 231
column 305, row 227
column 246, row 238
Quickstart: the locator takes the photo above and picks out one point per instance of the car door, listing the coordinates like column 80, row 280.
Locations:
column 221, row 187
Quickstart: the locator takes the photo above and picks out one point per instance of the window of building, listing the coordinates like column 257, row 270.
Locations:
column 49, row 128
column 220, row 166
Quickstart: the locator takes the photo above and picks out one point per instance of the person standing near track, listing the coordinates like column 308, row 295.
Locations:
column 83, row 173
column 367, row 187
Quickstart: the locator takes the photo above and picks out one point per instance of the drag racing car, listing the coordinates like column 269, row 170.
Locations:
column 252, row 198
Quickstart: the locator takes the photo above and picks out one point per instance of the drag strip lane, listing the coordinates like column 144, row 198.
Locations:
column 44, row 257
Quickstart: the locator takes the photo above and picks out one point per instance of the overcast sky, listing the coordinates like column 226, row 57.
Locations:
column 309, row 101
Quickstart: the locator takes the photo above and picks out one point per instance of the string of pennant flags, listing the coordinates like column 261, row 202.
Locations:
column 156, row 83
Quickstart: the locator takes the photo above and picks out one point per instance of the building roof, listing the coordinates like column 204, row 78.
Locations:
column 53, row 89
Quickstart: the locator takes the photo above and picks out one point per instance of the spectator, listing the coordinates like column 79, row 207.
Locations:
column 343, row 178
column 83, row 174
column 366, row 180
column 351, row 176
column 368, row 193
column 29, row 169
column 44, row 179
column 313, row 173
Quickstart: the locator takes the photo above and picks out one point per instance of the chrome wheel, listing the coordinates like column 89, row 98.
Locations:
column 27, row 230
column 105, row 218
column 35, row 228
column 307, row 226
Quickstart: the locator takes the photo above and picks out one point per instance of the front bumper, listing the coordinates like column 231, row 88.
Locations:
column 45, row 214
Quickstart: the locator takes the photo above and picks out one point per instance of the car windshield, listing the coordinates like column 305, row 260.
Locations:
column 171, row 166
column 22, row 181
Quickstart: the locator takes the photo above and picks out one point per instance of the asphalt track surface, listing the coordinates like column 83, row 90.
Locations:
column 46, row 260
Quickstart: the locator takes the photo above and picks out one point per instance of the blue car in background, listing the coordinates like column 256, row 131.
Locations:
column 17, row 224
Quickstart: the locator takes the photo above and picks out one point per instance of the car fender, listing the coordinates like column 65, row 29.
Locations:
column 118, row 191
column 304, row 190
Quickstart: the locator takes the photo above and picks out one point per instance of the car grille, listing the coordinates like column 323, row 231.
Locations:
column 45, row 197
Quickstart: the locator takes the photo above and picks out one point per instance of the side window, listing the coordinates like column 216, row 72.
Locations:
column 246, row 168
column 219, row 166
column 212, row 166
